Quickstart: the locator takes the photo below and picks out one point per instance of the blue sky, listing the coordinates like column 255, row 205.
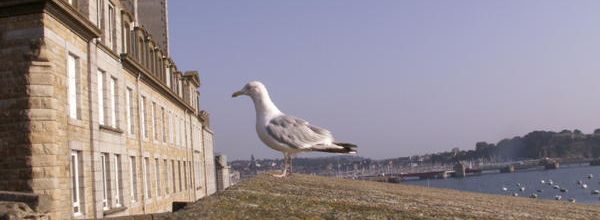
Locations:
column 397, row 78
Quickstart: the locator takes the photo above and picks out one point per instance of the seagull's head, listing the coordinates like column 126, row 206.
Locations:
column 252, row 89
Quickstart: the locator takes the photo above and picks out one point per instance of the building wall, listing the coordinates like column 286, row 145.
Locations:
column 222, row 172
column 211, row 181
column 40, row 136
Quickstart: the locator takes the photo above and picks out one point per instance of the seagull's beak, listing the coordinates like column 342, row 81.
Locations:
column 236, row 94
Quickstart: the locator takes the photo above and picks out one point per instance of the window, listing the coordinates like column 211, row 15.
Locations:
column 168, row 76
column 179, row 174
column 111, row 27
column 167, row 175
column 147, row 190
column 105, row 166
column 113, row 101
column 101, row 77
column 100, row 14
column 197, row 174
column 163, row 124
column 180, row 88
column 176, row 130
column 133, row 175
column 154, row 128
column 76, row 186
column 129, row 111
column 140, row 51
column 157, row 166
column 125, row 38
column 151, row 60
column 118, row 180
column 143, row 117
column 73, row 81
column 173, row 175
column 185, row 180
column 170, row 128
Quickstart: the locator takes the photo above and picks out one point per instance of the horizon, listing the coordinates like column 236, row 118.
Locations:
column 406, row 78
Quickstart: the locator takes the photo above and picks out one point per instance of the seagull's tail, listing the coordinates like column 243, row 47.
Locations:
column 344, row 148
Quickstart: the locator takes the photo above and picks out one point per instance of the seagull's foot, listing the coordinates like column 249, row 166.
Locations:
column 283, row 174
column 280, row 175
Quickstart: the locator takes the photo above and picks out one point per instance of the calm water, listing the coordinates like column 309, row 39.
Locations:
column 566, row 177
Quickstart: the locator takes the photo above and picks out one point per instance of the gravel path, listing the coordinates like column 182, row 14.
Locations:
column 313, row 197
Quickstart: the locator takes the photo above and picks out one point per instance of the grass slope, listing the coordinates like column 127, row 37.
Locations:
column 314, row 197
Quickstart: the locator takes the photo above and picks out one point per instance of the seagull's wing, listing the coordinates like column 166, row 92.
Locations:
column 297, row 133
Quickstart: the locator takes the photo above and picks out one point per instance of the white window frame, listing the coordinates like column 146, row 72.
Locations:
column 75, row 181
column 118, row 170
column 166, row 167
column 148, row 192
column 163, row 124
column 154, row 129
column 111, row 24
column 72, row 88
column 170, row 118
column 185, row 181
column 157, row 175
column 179, row 175
column 133, row 179
column 143, row 116
column 129, row 110
column 105, row 164
column 100, row 83
column 173, row 176
column 113, row 101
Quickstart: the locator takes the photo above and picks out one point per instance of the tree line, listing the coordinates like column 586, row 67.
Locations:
column 534, row 145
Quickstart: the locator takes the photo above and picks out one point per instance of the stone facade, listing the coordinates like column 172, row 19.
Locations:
column 222, row 170
column 95, row 119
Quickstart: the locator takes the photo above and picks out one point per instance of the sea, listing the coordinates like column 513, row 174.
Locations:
column 572, row 178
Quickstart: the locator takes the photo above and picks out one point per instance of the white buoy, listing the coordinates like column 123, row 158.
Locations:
column 522, row 189
column 584, row 186
column 542, row 181
column 504, row 189
column 557, row 197
column 515, row 194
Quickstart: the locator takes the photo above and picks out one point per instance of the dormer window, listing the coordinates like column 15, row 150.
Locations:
column 100, row 14
column 73, row 3
column 111, row 27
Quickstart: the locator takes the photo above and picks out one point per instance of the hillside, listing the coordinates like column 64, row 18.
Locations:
column 313, row 197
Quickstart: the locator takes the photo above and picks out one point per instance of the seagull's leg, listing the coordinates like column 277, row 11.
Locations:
column 291, row 156
column 285, row 166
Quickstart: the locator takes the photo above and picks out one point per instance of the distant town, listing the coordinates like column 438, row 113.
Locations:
column 533, row 149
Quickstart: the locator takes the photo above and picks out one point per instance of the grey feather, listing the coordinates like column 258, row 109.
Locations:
column 296, row 133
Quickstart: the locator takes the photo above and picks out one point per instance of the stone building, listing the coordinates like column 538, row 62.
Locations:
column 222, row 171
column 96, row 120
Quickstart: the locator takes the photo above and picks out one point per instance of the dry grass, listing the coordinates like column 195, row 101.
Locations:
column 313, row 197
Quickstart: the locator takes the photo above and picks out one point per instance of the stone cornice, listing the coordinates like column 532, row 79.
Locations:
column 108, row 51
column 59, row 9
column 133, row 67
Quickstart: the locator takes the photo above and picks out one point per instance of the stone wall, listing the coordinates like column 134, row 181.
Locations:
column 222, row 172
column 37, row 135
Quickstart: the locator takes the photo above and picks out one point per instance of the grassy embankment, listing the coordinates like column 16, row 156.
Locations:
column 313, row 197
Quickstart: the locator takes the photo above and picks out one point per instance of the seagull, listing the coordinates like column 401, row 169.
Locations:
column 288, row 134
